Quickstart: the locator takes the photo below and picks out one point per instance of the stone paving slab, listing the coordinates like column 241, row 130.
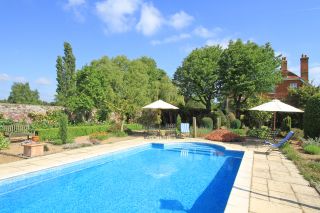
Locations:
column 277, row 186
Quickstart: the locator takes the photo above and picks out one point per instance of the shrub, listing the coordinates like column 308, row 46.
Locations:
column 259, row 133
column 43, row 121
column 315, row 141
column 223, row 135
column 311, row 120
column 63, row 128
column 312, row 149
column 224, row 120
column 286, row 124
column 298, row 134
column 4, row 122
column 241, row 132
column 231, row 116
column 4, row 142
column 114, row 127
column 73, row 131
column 235, row 124
column 207, row 122
column 178, row 123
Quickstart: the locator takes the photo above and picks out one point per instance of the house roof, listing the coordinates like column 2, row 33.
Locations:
column 293, row 76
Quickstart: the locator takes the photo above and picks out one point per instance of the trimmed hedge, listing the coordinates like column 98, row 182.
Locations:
column 207, row 122
column 235, row 124
column 311, row 119
column 73, row 131
column 286, row 124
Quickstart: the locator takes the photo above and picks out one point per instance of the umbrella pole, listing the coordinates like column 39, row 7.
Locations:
column 274, row 120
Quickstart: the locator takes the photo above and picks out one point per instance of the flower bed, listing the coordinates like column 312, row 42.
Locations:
column 223, row 135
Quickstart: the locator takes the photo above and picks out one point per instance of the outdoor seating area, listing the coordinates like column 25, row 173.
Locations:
column 18, row 130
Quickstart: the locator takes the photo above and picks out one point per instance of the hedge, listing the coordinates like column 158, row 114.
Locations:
column 311, row 119
column 73, row 131
column 207, row 122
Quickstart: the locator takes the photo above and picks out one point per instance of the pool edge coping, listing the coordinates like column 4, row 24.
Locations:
column 238, row 199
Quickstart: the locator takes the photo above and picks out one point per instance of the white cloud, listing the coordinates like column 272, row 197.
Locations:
column 206, row 33
column 77, row 7
column 20, row 79
column 171, row 39
column 180, row 20
column 150, row 21
column 4, row 77
column 223, row 42
column 43, row 81
column 118, row 15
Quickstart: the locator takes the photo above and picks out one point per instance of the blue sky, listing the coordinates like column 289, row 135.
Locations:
column 33, row 32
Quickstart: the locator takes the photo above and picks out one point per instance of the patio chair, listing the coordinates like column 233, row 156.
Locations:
column 281, row 143
column 185, row 129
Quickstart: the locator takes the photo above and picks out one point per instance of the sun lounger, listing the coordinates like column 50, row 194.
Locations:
column 281, row 143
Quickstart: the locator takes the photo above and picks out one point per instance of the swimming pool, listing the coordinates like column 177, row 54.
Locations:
column 185, row 177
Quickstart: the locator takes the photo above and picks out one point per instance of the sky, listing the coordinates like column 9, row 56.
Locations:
column 33, row 31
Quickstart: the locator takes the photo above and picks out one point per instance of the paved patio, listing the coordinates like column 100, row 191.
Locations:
column 277, row 186
column 265, row 183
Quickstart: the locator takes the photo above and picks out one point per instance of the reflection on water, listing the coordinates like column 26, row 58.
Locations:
column 160, row 171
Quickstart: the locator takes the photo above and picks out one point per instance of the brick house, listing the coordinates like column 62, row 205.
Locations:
column 291, row 80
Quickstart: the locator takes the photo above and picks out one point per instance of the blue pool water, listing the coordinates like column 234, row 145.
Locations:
column 184, row 177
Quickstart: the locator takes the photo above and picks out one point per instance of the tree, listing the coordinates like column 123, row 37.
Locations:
column 311, row 118
column 94, row 88
column 66, row 75
column 61, row 87
column 246, row 70
column 22, row 94
column 300, row 96
column 198, row 77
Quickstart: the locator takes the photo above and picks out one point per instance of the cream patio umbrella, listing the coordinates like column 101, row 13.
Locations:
column 275, row 106
column 159, row 105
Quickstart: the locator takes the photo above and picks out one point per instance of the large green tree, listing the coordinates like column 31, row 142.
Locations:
column 246, row 70
column 66, row 75
column 22, row 94
column 197, row 77
column 121, row 86
column 299, row 97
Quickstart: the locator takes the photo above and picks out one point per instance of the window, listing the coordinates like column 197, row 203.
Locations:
column 293, row 85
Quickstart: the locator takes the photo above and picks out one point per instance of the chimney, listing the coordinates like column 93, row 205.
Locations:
column 284, row 67
column 304, row 70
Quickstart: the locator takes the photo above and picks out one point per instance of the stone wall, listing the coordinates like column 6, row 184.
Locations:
column 19, row 112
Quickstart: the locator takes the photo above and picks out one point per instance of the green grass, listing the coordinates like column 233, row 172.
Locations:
column 312, row 149
column 309, row 169
column 134, row 127
column 201, row 132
